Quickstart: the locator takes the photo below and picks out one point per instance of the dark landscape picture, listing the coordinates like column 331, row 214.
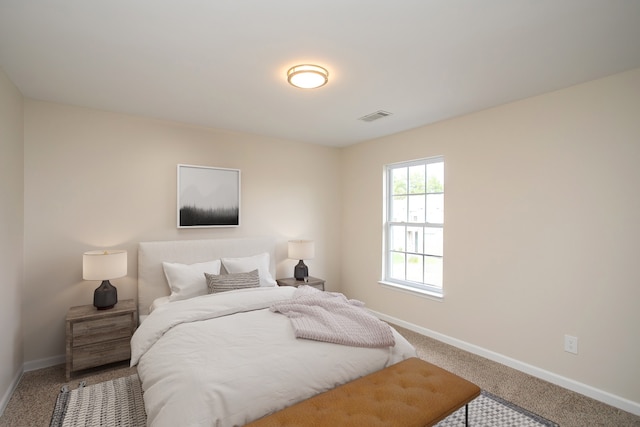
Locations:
column 208, row 197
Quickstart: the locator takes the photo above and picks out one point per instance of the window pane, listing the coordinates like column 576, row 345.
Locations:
column 414, row 224
column 397, row 242
column 435, row 177
column 399, row 179
column 399, row 209
column 414, row 268
column 433, row 271
column 397, row 266
column 433, row 241
column 416, row 208
column 414, row 239
column 416, row 179
column 435, row 208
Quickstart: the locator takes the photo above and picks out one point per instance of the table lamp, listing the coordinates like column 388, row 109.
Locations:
column 104, row 265
column 301, row 250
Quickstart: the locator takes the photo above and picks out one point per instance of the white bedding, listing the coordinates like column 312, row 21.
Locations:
column 226, row 359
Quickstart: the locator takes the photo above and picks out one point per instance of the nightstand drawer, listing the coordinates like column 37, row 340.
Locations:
column 101, row 354
column 98, row 330
column 97, row 337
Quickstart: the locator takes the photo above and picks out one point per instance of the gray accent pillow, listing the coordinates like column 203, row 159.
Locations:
column 229, row 282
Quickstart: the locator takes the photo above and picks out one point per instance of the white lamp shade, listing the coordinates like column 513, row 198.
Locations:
column 301, row 249
column 104, row 265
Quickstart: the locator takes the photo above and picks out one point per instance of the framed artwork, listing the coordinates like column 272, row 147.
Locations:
column 208, row 197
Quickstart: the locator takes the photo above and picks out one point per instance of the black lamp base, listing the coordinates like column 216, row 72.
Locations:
column 105, row 296
column 300, row 271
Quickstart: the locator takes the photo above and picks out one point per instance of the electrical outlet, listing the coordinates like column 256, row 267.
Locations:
column 571, row 344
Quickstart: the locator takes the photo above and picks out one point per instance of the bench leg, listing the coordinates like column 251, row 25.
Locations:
column 466, row 415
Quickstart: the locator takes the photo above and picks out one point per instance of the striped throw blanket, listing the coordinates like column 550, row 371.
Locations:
column 331, row 317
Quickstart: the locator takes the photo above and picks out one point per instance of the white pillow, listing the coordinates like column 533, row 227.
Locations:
column 188, row 281
column 246, row 264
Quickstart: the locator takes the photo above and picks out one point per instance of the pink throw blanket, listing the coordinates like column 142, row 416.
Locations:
column 331, row 317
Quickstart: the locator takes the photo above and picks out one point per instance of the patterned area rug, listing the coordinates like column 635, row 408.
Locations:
column 489, row 410
column 119, row 403
column 108, row 404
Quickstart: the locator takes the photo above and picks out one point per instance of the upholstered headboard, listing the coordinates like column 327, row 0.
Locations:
column 152, row 282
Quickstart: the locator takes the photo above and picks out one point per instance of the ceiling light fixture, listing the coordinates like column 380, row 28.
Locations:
column 307, row 76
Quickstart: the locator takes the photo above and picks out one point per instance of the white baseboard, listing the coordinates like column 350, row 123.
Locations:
column 7, row 395
column 587, row 390
column 44, row 363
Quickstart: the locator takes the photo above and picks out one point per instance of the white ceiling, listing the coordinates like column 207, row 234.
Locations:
column 223, row 63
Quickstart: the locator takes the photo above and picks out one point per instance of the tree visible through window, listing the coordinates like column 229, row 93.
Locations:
column 414, row 224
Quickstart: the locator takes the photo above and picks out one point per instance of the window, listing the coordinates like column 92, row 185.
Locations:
column 414, row 225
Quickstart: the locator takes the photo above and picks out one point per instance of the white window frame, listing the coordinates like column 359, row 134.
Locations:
column 420, row 287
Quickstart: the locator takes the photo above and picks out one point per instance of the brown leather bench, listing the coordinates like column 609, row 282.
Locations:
column 410, row 393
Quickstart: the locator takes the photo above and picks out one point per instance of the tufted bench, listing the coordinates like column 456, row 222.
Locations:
column 410, row 393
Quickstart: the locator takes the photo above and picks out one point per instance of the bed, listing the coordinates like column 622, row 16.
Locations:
column 228, row 358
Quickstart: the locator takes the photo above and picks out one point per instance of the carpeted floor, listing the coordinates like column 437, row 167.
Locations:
column 555, row 403
column 33, row 401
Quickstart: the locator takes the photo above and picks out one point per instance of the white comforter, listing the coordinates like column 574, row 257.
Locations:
column 225, row 360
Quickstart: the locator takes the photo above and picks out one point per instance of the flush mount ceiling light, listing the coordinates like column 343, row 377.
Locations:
column 307, row 76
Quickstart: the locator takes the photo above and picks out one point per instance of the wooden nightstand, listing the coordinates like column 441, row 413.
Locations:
column 310, row 281
column 97, row 337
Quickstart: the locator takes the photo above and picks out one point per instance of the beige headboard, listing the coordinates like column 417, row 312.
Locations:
column 152, row 282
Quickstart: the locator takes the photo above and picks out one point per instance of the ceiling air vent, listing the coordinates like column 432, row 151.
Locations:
column 375, row 116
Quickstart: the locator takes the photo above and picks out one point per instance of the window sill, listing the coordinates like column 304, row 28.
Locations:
column 413, row 291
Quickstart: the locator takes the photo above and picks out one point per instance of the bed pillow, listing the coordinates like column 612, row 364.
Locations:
column 229, row 282
column 187, row 280
column 245, row 264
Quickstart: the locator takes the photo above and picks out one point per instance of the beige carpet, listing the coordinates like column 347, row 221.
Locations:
column 33, row 401
column 555, row 403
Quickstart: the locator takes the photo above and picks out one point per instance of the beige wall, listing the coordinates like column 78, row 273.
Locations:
column 11, row 229
column 542, row 230
column 101, row 180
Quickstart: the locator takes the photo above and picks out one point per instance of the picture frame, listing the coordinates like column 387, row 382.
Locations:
column 208, row 197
